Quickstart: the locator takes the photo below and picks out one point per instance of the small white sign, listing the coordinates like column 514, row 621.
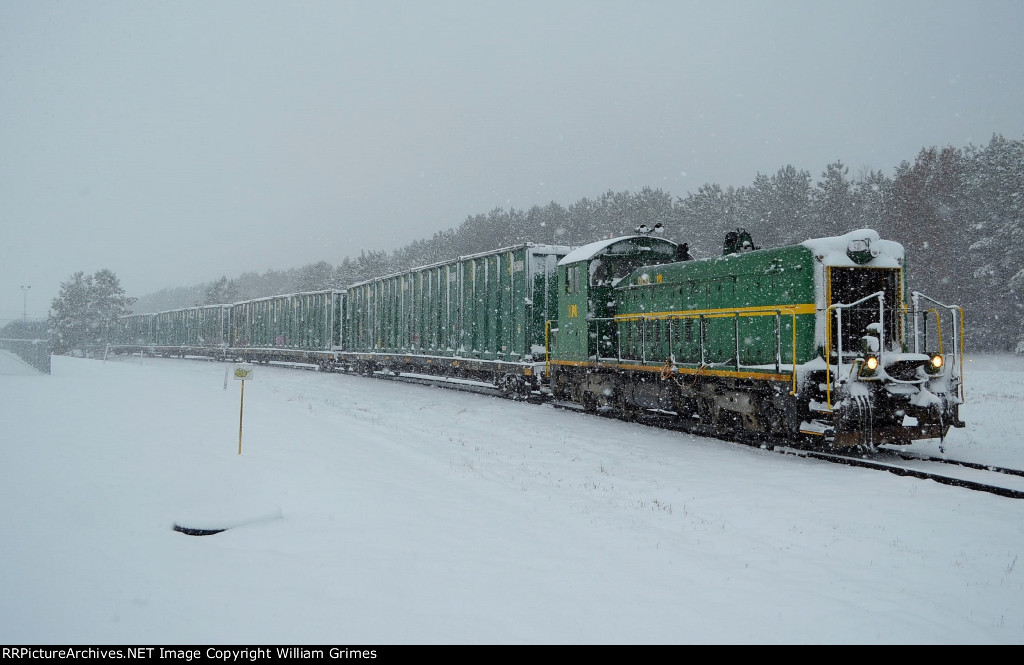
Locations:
column 243, row 372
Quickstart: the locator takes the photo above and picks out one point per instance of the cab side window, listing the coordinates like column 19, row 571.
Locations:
column 572, row 278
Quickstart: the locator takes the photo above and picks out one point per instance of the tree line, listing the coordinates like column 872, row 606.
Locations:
column 959, row 212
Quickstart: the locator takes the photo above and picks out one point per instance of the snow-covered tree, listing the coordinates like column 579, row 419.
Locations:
column 85, row 310
column 316, row 276
column 872, row 192
column 834, row 203
column 994, row 196
column 221, row 292
column 709, row 213
column 25, row 329
column 928, row 217
column 780, row 207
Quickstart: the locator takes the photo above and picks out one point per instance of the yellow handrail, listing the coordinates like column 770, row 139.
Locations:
column 793, row 355
column 547, row 348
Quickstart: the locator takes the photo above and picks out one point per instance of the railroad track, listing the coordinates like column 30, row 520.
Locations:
column 977, row 477
column 1001, row 482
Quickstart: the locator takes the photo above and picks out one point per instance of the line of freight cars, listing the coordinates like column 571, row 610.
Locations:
column 821, row 342
column 481, row 317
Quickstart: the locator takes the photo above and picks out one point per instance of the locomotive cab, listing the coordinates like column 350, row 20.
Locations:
column 586, row 277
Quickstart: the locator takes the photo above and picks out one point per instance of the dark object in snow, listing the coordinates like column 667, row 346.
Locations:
column 189, row 531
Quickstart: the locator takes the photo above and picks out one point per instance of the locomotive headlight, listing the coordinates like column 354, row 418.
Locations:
column 868, row 366
column 935, row 364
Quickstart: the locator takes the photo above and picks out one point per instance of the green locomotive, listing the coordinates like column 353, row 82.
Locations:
column 817, row 342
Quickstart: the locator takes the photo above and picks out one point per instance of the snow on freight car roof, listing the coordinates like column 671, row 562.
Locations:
column 535, row 248
column 285, row 295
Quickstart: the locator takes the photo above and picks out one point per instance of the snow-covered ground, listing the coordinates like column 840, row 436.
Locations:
column 372, row 512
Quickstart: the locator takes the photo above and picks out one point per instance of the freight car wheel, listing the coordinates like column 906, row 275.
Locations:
column 513, row 386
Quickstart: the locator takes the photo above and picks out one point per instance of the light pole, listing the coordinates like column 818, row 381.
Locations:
column 24, row 310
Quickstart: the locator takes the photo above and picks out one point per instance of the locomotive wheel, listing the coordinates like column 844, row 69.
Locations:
column 627, row 408
column 706, row 411
column 560, row 386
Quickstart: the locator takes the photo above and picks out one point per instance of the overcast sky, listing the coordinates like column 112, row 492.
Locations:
column 175, row 142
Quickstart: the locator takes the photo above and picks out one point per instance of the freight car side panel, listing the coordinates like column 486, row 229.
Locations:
column 135, row 330
column 490, row 306
column 300, row 321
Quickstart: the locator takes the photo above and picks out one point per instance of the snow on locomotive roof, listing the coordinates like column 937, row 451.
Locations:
column 587, row 252
column 833, row 251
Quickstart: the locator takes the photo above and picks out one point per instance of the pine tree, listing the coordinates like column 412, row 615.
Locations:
column 315, row 276
column 709, row 213
column 834, row 201
column 928, row 218
column 994, row 192
column 223, row 291
column 86, row 310
column 872, row 193
column 780, row 207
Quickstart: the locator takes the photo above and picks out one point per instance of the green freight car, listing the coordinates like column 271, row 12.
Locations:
column 478, row 317
column 299, row 327
column 134, row 332
column 193, row 328
column 189, row 331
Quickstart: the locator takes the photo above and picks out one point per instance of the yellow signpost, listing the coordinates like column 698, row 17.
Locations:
column 242, row 372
